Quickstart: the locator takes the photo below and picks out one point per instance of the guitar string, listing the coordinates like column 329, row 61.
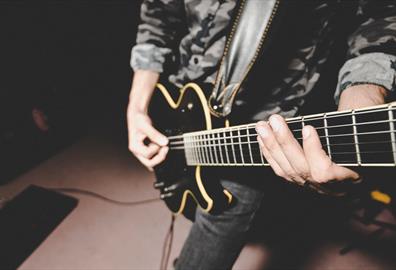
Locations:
column 303, row 120
column 256, row 156
column 246, row 154
column 257, row 160
column 255, row 134
column 317, row 128
column 299, row 138
column 181, row 146
column 215, row 147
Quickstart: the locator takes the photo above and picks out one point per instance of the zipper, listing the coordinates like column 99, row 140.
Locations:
column 258, row 49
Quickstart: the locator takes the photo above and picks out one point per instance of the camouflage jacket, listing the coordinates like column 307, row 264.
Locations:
column 191, row 35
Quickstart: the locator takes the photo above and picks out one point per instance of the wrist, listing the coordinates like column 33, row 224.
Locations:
column 137, row 108
column 362, row 95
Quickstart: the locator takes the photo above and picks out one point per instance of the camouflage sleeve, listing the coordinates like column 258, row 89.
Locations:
column 372, row 48
column 156, row 33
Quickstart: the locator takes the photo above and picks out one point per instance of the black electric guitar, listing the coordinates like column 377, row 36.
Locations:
column 363, row 137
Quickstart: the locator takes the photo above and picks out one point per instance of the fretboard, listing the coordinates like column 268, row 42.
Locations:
column 362, row 137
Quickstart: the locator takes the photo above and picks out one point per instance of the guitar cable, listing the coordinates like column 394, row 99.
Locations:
column 103, row 198
column 167, row 245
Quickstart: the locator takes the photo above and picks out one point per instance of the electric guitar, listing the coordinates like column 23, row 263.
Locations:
column 355, row 138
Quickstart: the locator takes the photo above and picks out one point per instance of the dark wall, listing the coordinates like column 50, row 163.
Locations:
column 64, row 67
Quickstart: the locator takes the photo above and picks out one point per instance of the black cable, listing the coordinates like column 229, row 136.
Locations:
column 101, row 197
column 167, row 246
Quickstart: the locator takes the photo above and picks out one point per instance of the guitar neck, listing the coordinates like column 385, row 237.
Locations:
column 362, row 137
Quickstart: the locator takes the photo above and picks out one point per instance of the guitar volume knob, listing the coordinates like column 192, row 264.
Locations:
column 158, row 185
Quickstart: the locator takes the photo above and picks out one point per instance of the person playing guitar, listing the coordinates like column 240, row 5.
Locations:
column 358, row 38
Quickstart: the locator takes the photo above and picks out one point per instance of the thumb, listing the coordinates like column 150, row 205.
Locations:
column 154, row 135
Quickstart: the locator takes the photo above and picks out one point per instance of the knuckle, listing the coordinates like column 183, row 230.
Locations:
column 145, row 154
column 304, row 174
column 320, row 176
column 291, row 173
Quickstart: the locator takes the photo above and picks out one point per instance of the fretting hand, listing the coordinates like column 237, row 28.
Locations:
column 310, row 163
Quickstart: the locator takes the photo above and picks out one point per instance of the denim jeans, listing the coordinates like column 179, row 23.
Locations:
column 215, row 241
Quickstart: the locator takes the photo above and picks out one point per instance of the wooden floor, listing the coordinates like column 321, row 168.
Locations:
column 100, row 235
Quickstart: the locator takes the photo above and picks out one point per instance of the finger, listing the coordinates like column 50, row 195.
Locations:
column 322, row 168
column 157, row 159
column 140, row 149
column 274, row 165
column 148, row 151
column 268, row 138
column 154, row 135
column 342, row 173
column 290, row 146
column 160, row 157
column 145, row 162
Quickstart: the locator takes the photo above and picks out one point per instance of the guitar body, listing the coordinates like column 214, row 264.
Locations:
column 182, row 187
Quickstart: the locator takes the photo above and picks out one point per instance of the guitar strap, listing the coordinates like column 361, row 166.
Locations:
column 245, row 43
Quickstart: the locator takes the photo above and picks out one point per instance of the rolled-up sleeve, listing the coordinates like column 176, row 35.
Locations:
column 157, row 32
column 371, row 68
column 372, row 48
column 149, row 57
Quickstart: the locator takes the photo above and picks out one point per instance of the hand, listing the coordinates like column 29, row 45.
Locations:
column 310, row 163
column 140, row 129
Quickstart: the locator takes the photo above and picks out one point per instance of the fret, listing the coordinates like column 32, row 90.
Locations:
column 318, row 122
column 233, row 148
column 327, row 135
column 250, row 148
column 240, row 146
column 197, row 150
column 226, row 147
column 186, row 150
column 219, row 146
column 375, row 140
column 207, row 139
column 192, row 152
column 392, row 130
column 195, row 142
column 254, row 147
column 194, row 145
column 201, row 149
column 204, row 143
column 296, row 129
column 213, row 144
column 341, row 140
column 355, row 138
column 262, row 156
column 204, row 150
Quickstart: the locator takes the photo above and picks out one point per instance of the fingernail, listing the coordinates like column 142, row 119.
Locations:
column 306, row 132
column 262, row 131
column 275, row 124
column 164, row 141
